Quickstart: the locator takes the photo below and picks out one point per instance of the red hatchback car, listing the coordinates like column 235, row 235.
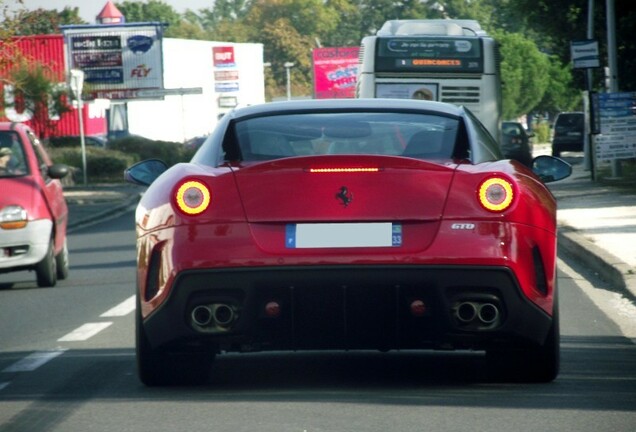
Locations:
column 33, row 212
column 347, row 225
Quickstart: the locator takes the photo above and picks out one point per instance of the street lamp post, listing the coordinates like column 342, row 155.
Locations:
column 288, row 66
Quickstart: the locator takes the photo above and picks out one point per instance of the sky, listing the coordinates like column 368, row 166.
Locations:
column 88, row 9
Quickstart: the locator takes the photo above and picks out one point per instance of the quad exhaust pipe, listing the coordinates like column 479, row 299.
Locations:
column 221, row 314
column 469, row 312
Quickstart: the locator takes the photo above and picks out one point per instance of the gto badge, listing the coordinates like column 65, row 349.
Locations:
column 345, row 196
column 463, row 226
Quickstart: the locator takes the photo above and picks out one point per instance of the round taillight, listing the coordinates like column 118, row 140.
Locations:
column 496, row 194
column 193, row 197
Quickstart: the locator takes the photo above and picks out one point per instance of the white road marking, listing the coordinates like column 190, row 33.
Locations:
column 122, row 309
column 84, row 332
column 33, row 361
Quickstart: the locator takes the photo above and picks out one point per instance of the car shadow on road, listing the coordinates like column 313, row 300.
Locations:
column 598, row 373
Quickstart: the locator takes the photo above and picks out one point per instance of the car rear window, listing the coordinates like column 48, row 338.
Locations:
column 571, row 121
column 422, row 136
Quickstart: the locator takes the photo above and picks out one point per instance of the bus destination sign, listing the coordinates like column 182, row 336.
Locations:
column 426, row 54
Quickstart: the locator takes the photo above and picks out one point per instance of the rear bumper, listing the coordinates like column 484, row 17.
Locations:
column 347, row 307
column 568, row 145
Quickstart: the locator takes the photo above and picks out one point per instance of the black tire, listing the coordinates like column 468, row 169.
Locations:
column 538, row 364
column 156, row 367
column 556, row 152
column 46, row 270
column 61, row 260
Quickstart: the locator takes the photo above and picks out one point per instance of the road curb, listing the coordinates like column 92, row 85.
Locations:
column 617, row 273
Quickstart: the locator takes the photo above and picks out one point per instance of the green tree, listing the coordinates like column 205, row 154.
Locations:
column 225, row 11
column 347, row 32
column 561, row 95
column 31, row 83
column 151, row 11
column 289, row 29
column 524, row 74
column 41, row 95
column 374, row 13
column 41, row 21
column 481, row 10
column 553, row 25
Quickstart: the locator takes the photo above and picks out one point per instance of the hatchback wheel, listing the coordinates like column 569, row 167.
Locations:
column 46, row 270
column 62, row 263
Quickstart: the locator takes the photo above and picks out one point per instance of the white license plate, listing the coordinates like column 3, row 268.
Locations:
column 343, row 235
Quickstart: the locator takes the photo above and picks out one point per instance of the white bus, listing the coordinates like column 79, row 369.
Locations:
column 451, row 61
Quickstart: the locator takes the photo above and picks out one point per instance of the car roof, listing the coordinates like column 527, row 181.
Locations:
column 346, row 105
column 5, row 126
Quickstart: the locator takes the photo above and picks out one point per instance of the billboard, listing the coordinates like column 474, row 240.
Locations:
column 617, row 112
column 225, row 69
column 118, row 61
column 335, row 72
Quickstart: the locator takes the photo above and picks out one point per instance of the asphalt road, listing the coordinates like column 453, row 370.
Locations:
column 67, row 364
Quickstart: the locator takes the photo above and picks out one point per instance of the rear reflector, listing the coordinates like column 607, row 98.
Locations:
column 418, row 308
column 272, row 309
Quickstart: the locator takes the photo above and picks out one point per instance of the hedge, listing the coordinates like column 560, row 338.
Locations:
column 108, row 164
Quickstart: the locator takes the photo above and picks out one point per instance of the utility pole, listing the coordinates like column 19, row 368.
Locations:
column 76, row 84
column 613, row 67
column 288, row 66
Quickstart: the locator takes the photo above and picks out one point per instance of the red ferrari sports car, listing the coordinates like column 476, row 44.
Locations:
column 347, row 225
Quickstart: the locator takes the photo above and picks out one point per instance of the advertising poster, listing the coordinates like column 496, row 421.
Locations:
column 117, row 61
column 415, row 90
column 335, row 72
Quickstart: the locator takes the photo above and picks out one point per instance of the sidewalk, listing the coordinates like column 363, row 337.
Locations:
column 597, row 224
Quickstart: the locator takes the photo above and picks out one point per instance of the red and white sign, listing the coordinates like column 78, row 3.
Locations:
column 223, row 56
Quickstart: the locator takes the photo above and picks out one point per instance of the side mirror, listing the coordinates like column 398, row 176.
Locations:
column 145, row 172
column 551, row 169
column 58, row 171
